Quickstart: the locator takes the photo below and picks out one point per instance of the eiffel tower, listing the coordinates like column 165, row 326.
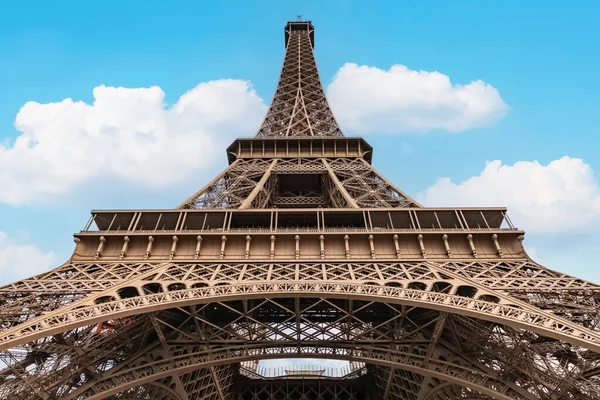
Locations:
column 300, row 249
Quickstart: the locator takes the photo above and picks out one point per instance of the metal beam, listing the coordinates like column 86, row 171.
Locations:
column 208, row 185
column 246, row 203
column 339, row 186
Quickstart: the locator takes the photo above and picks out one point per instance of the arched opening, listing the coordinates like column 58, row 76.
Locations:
column 417, row 286
column 489, row 298
column 104, row 299
column 151, row 288
column 466, row 291
column 199, row 285
column 128, row 292
column 394, row 284
column 442, row 287
column 373, row 283
column 175, row 286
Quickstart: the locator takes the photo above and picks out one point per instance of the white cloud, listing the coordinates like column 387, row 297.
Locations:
column 129, row 135
column 371, row 100
column 18, row 260
column 561, row 196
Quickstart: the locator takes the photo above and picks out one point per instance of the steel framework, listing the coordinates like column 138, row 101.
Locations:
column 300, row 249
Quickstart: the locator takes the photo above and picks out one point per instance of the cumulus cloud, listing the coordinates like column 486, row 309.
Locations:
column 126, row 134
column 563, row 195
column 18, row 260
column 371, row 100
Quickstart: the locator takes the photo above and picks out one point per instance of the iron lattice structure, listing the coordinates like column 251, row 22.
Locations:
column 300, row 249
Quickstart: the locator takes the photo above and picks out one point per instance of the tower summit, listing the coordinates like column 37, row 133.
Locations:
column 299, row 107
column 299, row 157
column 299, row 248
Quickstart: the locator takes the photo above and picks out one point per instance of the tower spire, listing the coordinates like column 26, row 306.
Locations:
column 315, row 166
column 299, row 106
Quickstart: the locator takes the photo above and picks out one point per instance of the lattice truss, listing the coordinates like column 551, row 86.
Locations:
column 336, row 183
column 426, row 330
column 301, row 389
column 299, row 106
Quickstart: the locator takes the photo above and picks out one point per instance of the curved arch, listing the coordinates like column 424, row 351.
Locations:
column 527, row 318
column 198, row 357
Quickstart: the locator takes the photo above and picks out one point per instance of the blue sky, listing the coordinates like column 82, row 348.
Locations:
column 540, row 57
